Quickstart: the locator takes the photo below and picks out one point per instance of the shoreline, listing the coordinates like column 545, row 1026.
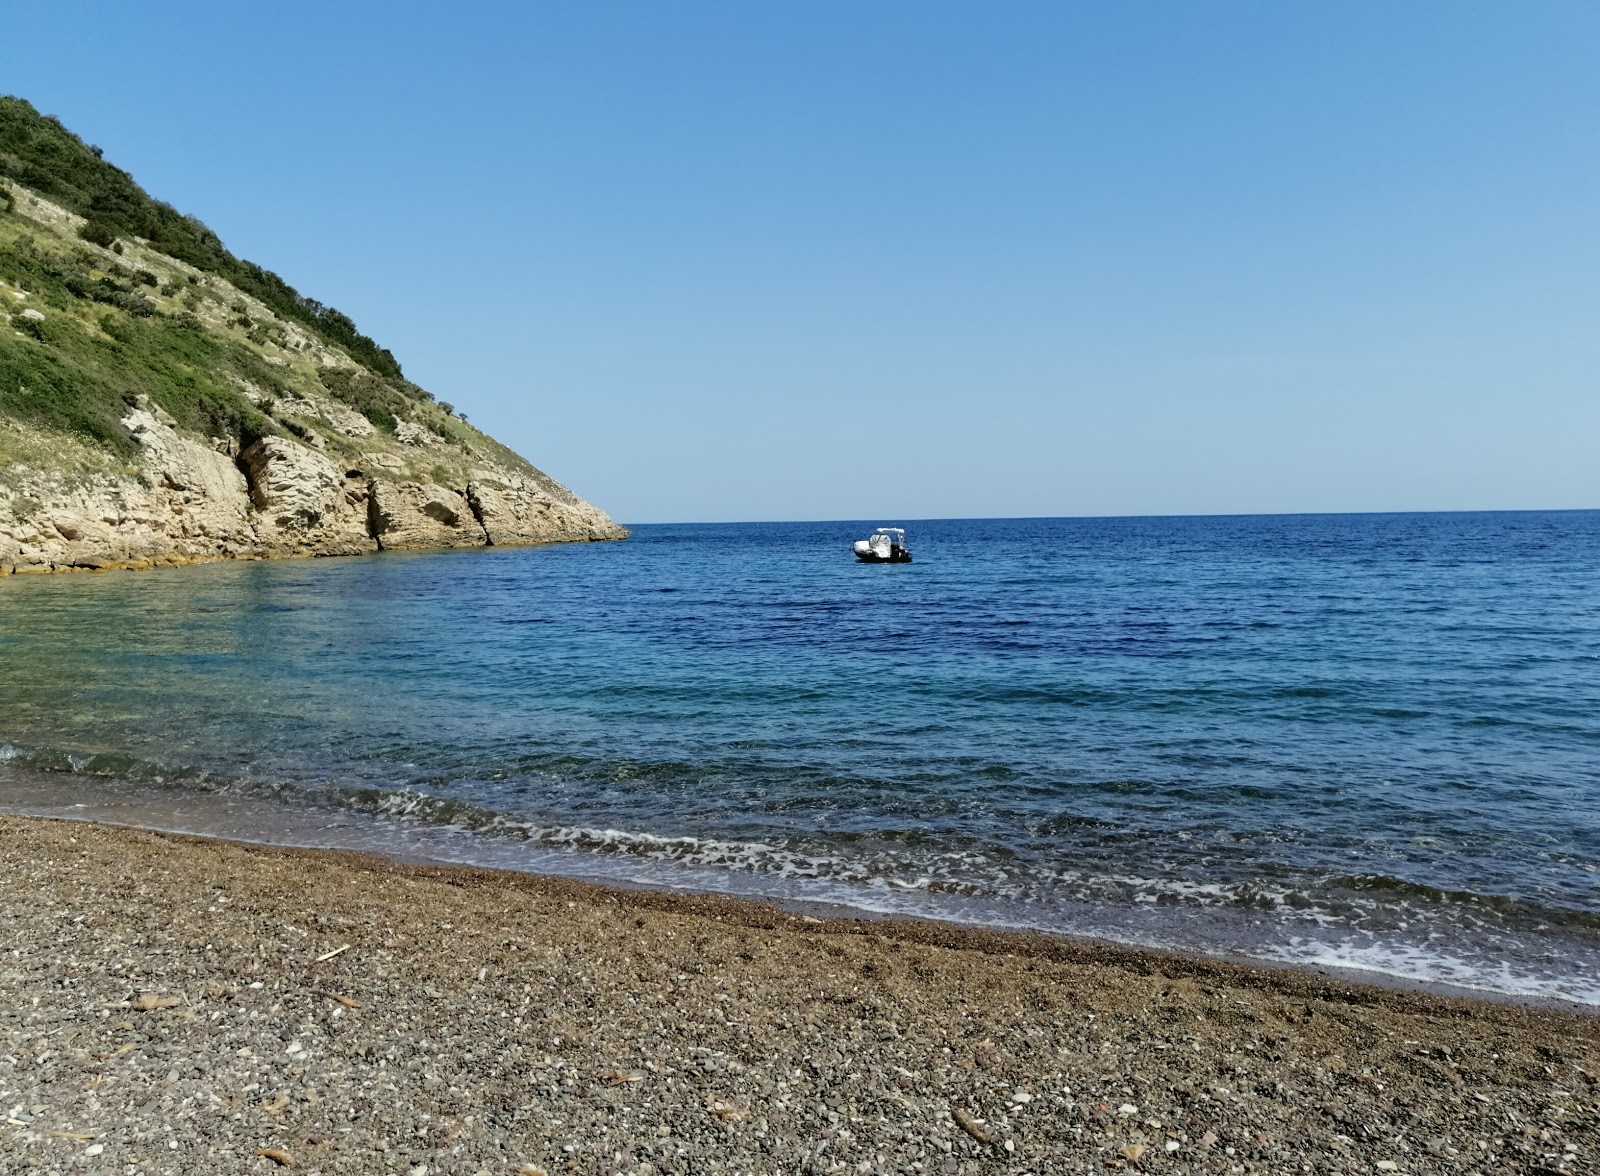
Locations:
column 91, row 564
column 954, row 932
column 184, row 1003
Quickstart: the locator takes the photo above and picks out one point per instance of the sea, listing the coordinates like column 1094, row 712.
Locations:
column 1367, row 744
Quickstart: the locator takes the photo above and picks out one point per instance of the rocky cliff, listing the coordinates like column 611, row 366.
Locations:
column 155, row 411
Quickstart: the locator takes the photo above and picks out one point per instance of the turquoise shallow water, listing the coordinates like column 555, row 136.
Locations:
column 1370, row 741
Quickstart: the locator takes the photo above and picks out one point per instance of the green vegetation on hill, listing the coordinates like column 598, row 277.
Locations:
column 37, row 151
column 102, row 344
column 139, row 301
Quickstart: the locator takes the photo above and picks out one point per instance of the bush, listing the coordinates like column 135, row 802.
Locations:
column 133, row 302
column 382, row 418
column 377, row 400
column 98, row 233
column 145, row 278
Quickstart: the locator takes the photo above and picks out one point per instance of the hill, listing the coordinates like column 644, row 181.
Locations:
column 163, row 401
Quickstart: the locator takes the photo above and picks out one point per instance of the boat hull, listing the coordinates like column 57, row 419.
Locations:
column 874, row 557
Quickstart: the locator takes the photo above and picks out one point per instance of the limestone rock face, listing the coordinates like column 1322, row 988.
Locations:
column 420, row 515
column 187, row 503
column 199, row 490
column 525, row 513
column 306, row 503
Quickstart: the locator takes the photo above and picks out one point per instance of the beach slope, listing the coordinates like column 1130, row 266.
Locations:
column 178, row 1005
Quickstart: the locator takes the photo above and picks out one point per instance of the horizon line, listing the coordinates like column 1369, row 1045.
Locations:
column 1287, row 514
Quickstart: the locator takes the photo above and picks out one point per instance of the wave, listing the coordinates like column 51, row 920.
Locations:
column 1372, row 921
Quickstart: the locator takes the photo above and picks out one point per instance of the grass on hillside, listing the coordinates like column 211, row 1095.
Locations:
column 123, row 321
column 102, row 344
column 37, row 151
column 114, row 330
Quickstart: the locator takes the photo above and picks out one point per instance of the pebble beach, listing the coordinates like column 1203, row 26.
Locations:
column 179, row 1005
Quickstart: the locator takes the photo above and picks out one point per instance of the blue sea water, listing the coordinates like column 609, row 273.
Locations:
column 1369, row 741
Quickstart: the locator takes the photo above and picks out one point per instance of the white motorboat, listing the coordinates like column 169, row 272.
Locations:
column 885, row 545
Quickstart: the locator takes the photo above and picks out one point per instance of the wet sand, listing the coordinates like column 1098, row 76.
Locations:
column 177, row 1005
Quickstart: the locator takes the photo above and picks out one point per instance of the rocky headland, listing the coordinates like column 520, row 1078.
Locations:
column 162, row 402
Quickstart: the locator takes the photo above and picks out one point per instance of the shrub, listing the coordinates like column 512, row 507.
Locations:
column 133, row 302
column 382, row 418
column 377, row 400
column 29, row 326
column 98, row 233
column 145, row 278
column 117, row 327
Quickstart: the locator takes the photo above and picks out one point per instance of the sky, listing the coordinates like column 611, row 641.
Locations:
column 904, row 259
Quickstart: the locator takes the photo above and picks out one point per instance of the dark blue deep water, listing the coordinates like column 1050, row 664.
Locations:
column 1361, row 740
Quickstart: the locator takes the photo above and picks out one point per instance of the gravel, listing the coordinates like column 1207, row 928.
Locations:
column 178, row 1005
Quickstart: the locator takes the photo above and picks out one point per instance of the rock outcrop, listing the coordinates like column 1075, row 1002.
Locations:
column 306, row 504
column 187, row 502
column 421, row 514
column 522, row 512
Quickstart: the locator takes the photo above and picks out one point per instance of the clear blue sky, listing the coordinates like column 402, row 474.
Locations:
column 909, row 259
